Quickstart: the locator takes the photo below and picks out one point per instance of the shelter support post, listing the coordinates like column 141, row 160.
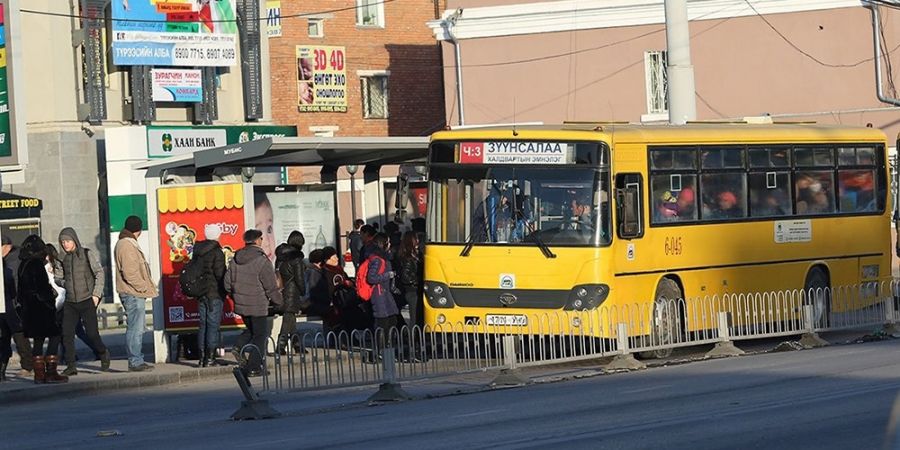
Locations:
column 373, row 195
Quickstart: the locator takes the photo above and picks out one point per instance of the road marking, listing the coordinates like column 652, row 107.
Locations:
column 480, row 413
column 635, row 391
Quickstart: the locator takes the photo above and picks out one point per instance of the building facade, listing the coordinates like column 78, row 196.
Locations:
column 595, row 60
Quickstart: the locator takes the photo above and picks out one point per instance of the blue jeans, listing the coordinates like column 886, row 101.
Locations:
column 210, row 318
column 136, row 321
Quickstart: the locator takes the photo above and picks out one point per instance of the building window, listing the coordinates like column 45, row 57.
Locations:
column 370, row 13
column 375, row 96
column 316, row 27
column 657, row 83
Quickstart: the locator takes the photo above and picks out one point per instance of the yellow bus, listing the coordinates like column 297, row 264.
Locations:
column 580, row 217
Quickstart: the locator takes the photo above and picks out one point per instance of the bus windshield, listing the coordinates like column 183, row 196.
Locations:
column 519, row 205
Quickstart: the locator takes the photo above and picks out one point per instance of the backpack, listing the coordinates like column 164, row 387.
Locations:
column 194, row 279
column 363, row 288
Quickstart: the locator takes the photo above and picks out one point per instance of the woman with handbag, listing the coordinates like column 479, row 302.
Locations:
column 36, row 299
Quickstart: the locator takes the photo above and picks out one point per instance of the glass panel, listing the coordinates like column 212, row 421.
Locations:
column 722, row 158
column 856, row 190
column 865, row 156
column 823, row 157
column 847, row 156
column 673, row 198
column 770, row 194
column 508, row 205
column 814, row 191
column 769, row 157
column 724, row 196
column 673, row 158
column 803, row 157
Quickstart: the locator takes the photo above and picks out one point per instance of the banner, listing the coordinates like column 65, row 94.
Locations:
column 184, row 213
column 281, row 211
column 273, row 19
column 177, row 85
column 321, row 79
column 163, row 141
column 5, row 141
column 174, row 33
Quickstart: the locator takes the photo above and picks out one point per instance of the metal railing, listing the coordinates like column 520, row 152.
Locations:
column 325, row 360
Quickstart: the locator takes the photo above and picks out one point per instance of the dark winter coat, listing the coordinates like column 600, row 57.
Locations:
column 81, row 275
column 250, row 279
column 12, row 261
column 289, row 264
column 409, row 273
column 35, row 296
column 355, row 245
column 210, row 256
column 383, row 304
column 319, row 293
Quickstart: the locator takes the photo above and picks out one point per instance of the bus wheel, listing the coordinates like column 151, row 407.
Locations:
column 816, row 293
column 666, row 325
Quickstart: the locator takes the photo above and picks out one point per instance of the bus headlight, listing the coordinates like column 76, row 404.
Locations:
column 586, row 297
column 438, row 295
column 441, row 318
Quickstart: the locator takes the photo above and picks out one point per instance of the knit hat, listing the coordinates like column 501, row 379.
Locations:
column 212, row 231
column 134, row 224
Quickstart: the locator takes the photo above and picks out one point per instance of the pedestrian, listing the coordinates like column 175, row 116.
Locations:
column 380, row 276
column 135, row 286
column 355, row 242
column 318, row 292
column 289, row 265
column 82, row 277
column 366, row 233
column 55, row 265
column 12, row 319
column 9, row 297
column 250, row 279
column 211, row 258
column 36, row 299
column 409, row 263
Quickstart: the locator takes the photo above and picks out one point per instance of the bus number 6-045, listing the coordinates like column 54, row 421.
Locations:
column 673, row 246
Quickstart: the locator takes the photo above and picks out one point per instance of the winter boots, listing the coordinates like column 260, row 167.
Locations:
column 50, row 374
column 104, row 361
column 3, row 371
column 40, row 377
column 45, row 370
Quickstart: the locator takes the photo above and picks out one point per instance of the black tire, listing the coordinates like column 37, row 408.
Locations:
column 667, row 327
column 817, row 282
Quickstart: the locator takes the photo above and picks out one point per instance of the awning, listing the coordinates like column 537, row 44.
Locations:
column 300, row 151
column 200, row 198
column 14, row 206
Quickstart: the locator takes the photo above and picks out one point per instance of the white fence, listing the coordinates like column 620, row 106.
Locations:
column 654, row 329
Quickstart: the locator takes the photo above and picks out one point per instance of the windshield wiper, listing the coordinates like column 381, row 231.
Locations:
column 470, row 242
column 535, row 236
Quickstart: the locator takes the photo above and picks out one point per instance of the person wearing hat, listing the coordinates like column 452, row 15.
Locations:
column 250, row 279
column 10, row 323
column 83, row 277
column 134, row 286
column 208, row 253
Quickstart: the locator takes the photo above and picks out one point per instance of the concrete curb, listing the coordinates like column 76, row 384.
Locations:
column 32, row 392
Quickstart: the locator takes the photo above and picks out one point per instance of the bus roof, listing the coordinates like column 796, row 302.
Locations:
column 692, row 133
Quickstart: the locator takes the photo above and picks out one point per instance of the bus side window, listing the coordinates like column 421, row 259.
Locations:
column 630, row 221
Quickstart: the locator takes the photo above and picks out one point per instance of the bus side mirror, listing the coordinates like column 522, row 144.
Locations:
column 629, row 212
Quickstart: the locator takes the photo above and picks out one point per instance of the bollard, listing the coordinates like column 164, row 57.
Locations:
column 625, row 359
column 510, row 375
column 810, row 339
column 390, row 390
column 253, row 408
column 725, row 347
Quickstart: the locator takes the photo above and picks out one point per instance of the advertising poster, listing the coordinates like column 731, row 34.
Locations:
column 184, row 213
column 281, row 210
column 5, row 141
column 273, row 18
column 18, row 230
column 164, row 141
column 177, row 85
column 196, row 33
column 321, row 79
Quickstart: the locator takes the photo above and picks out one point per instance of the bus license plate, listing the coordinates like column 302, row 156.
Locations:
column 516, row 320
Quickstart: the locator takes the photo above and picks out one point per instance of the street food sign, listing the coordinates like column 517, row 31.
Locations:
column 508, row 152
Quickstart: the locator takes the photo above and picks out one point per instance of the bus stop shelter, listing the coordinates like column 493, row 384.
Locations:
column 368, row 153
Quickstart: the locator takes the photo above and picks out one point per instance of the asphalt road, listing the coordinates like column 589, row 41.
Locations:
column 833, row 398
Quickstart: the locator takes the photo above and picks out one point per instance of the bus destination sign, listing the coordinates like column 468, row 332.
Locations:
column 506, row 152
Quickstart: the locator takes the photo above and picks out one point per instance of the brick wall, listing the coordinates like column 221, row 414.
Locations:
column 405, row 47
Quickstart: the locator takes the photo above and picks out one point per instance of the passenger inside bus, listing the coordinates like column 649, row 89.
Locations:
column 724, row 206
column 677, row 206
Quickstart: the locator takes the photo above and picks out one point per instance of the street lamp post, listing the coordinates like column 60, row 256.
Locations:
column 351, row 169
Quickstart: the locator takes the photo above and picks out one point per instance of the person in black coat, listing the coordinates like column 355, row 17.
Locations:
column 209, row 254
column 36, row 302
column 290, row 267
